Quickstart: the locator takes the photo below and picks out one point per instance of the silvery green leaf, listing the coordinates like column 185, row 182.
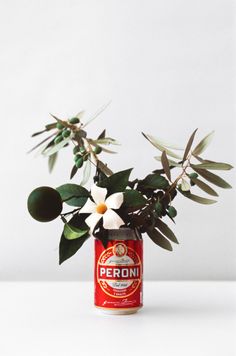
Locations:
column 203, row 144
column 185, row 186
column 211, row 177
column 80, row 114
column 189, row 145
column 156, row 143
column 107, row 151
column 97, row 114
column 51, row 161
column 205, row 187
column 104, row 168
column 171, row 162
column 57, row 147
column 166, row 144
column 196, row 198
column 165, row 165
column 86, row 172
column 106, row 141
column 213, row 165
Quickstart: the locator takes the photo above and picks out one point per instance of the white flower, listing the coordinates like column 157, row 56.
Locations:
column 102, row 207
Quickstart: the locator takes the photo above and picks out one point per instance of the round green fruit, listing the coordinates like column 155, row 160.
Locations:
column 172, row 211
column 79, row 162
column 60, row 126
column 97, row 150
column 74, row 120
column 76, row 149
column 158, row 208
column 66, row 133
column 192, row 175
column 58, row 139
column 44, row 204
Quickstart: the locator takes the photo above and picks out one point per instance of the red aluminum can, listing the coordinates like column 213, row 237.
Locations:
column 118, row 273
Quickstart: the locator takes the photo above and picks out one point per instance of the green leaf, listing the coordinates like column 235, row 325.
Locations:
column 133, row 200
column 203, row 144
column 205, row 187
column 165, row 165
column 57, row 147
column 102, row 135
column 214, row 166
column 40, row 143
column 97, row 114
column 213, row 178
column 154, row 181
column 68, row 248
column 171, row 162
column 166, row 230
column 71, row 232
column 117, row 182
column 156, row 143
column 164, row 143
column 73, row 194
column 159, row 239
column 51, row 161
column 86, row 172
column 197, row 199
column 106, row 141
column 107, row 151
column 73, row 171
column 189, row 145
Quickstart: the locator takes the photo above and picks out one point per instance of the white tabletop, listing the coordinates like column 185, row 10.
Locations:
column 178, row 318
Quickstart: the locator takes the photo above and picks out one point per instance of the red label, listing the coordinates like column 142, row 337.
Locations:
column 118, row 274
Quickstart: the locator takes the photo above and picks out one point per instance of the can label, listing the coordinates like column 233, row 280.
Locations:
column 118, row 274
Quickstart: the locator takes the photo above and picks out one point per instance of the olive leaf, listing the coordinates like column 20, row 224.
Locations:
column 102, row 135
column 107, row 151
column 159, row 146
column 71, row 232
column 196, row 198
column 206, row 164
column 73, row 194
column 86, row 172
column 203, row 144
column 106, row 170
column 189, row 145
column 203, row 186
column 99, row 111
column 211, row 177
column 165, row 165
column 105, row 141
column 40, row 143
column 57, row 147
column 163, row 143
column 171, row 162
column 159, row 239
column 165, row 230
column 51, row 161
column 73, row 171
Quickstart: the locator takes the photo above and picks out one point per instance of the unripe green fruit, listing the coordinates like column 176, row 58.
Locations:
column 97, row 150
column 60, row 126
column 74, row 120
column 76, row 149
column 192, row 175
column 44, row 204
column 58, row 139
column 66, row 133
column 77, row 156
column 172, row 211
column 158, row 208
column 79, row 162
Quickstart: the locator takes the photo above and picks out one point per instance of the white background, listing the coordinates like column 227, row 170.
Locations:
column 168, row 68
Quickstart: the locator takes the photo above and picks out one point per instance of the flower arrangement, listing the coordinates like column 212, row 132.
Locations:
column 115, row 200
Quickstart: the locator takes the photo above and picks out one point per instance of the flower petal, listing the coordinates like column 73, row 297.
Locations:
column 92, row 220
column 89, row 207
column 98, row 194
column 114, row 201
column 111, row 220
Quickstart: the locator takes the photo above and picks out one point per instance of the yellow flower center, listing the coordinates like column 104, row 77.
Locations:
column 101, row 208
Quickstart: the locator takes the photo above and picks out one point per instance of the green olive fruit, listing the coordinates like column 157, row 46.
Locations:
column 82, row 150
column 192, row 175
column 74, row 120
column 44, row 204
column 172, row 211
column 59, row 126
column 76, row 149
column 77, row 156
column 97, row 150
column 58, row 139
column 66, row 133
column 79, row 162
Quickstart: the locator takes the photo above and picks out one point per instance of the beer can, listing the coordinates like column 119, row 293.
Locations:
column 118, row 273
